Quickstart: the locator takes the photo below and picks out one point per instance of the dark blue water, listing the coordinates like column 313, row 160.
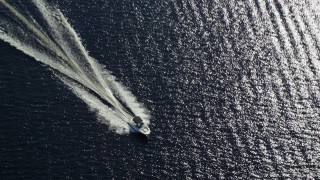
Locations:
column 232, row 87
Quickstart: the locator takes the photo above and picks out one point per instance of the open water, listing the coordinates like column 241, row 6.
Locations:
column 230, row 89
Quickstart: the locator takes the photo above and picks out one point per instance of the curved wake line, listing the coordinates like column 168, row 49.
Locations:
column 63, row 52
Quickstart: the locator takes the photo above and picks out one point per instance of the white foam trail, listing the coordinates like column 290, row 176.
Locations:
column 63, row 51
column 59, row 33
column 107, row 84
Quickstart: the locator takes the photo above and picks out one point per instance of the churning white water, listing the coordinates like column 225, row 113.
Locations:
column 56, row 44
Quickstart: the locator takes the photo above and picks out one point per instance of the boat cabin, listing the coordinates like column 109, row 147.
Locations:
column 138, row 121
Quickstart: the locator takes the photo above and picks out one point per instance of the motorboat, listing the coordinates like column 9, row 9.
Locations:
column 139, row 126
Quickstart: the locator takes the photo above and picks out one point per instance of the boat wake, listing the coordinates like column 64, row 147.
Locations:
column 52, row 41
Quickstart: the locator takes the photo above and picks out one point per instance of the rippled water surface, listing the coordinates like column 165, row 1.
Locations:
column 232, row 87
